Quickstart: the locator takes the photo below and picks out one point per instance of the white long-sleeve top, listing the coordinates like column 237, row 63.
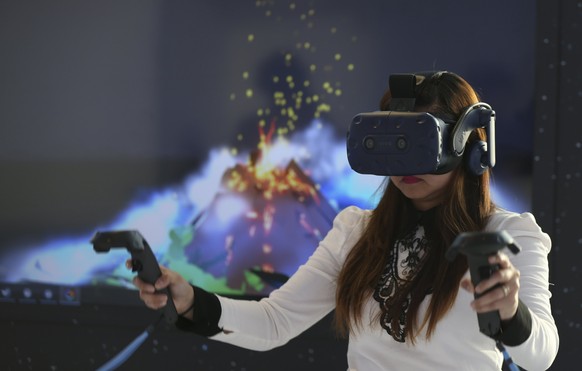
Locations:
column 309, row 295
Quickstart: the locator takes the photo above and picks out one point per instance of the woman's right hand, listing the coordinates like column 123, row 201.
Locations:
column 182, row 291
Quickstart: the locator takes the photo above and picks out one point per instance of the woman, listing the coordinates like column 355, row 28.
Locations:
column 403, row 305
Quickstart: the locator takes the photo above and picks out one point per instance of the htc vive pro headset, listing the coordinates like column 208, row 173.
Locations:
column 403, row 142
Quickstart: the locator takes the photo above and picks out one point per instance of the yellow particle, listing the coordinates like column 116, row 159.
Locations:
column 279, row 98
column 312, row 68
column 308, row 100
column 249, row 93
column 239, row 137
column 289, row 79
column 307, row 45
column 306, row 83
column 337, row 56
column 292, row 6
column 338, row 92
column 315, row 98
column 333, row 30
column 260, row 112
column 324, row 107
column 326, row 85
column 311, row 12
column 292, row 85
column 288, row 57
column 268, row 13
column 250, row 37
column 275, row 79
column 303, row 17
column 262, row 123
column 351, row 67
column 233, row 151
column 245, row 75
column 232, row 96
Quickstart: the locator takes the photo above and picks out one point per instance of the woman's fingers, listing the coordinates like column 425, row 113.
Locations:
column 148, row 292
column 498, row 292
column 182, row 292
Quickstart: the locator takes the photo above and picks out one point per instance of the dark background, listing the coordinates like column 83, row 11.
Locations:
column 101, row 99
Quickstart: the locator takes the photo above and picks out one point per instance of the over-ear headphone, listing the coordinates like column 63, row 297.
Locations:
column 474, row 158
column 479, row 155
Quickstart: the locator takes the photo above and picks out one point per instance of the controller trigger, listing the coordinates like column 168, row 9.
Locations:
column 136, row 265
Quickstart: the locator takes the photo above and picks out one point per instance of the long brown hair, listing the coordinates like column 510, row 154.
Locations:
column 466, row 207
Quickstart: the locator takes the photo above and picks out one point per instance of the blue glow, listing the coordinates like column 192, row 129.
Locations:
column 71, row 260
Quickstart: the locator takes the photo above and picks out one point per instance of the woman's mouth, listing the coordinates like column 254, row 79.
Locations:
column 410, row 179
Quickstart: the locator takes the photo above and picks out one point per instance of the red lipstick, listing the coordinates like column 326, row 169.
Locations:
column 410, row 179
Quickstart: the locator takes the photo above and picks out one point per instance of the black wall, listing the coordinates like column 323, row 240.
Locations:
column 557, row 198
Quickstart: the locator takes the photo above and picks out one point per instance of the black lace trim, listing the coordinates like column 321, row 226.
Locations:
column 403, row 263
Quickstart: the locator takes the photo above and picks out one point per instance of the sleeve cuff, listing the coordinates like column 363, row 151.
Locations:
column 518, row 329
column 206, row 314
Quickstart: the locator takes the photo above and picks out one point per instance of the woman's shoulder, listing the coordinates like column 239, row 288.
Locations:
column 352, row 216
column 522, row 224
column 351, row 219
column 505, row 218
column 353, row 212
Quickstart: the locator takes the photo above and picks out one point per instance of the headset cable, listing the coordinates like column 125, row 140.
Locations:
column 128, row 351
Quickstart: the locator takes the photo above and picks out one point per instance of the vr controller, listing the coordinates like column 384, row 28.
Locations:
column 403, row 142
column 478, row 247
column 143, row 260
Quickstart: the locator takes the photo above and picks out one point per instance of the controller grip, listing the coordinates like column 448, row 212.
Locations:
column 145, row 264
column 489, row 322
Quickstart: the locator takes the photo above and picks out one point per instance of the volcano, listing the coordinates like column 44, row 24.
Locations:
column 260, row 226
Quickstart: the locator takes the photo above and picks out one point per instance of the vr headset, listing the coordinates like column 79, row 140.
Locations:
column 403, row 142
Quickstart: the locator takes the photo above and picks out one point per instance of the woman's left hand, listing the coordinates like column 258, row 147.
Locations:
column 503, row 298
